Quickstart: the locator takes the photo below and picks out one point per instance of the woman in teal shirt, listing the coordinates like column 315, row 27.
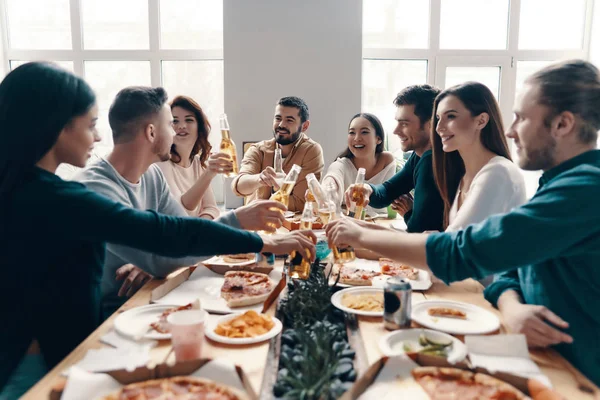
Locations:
column 53, row 232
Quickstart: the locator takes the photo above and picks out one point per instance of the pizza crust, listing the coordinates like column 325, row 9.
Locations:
column 176, row 388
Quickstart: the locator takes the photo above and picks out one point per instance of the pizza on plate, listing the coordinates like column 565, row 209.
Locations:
column 446, row 312
column 245, row 288
column 393, row 268
column 162, row 326
column 454, row 383
column 239, row 258
column 357, row 276
column 177, row 388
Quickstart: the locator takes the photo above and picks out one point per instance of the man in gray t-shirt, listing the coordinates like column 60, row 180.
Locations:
column 141, row 123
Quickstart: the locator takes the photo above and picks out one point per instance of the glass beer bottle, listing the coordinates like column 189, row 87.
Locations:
column 357, row 204
column 278, row 167
column 283, row 194
column 227, row 146
column 299, row 264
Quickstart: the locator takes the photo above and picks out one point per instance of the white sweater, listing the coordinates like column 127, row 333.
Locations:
column 343, row 172
column 496, row 189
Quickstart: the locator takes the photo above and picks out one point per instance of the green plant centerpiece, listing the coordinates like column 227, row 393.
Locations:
column 316, row 360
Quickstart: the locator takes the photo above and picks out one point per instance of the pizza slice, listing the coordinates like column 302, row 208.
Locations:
column 161, row 326
column 238, row 258
column 446, row 312
column 179, row 387
column 393, row 268
column 245, row 288
column 357, row 276
column 454, row 383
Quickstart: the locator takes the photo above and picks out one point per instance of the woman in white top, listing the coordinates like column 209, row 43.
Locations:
column 365, row 150
column 187, row 173
column 471, row 160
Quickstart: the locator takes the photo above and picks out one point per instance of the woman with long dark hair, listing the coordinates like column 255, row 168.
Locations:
column 192, row 167
column 366, row 139
column 471, row 160
column 53, row 233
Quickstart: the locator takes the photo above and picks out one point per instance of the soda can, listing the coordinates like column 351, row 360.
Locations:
column 397, row 299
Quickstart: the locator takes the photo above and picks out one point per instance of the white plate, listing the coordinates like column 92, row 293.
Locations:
column 478, row 322
column 218, row 260
column 205, row 285
column 210, row 332
column 399, row 224
column 136, row 321
column 336, row 300
column 392, row 343
column 422, row 283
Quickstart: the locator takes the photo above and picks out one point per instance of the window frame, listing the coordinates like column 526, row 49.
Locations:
column 440, row 58
column 154, row 54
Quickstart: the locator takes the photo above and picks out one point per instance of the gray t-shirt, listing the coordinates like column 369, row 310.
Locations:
column 150, row 193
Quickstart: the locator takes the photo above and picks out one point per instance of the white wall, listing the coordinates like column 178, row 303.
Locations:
column 306, row 48
column 595, row 40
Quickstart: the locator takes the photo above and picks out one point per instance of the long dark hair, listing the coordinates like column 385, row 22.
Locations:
column 379, row 132
column 55, row 96
column 449, row 168
column 201, row 146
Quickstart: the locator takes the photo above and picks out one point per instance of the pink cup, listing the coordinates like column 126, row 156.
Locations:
column 187, row 333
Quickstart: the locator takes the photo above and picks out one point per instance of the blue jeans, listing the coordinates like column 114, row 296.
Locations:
column 31, row 369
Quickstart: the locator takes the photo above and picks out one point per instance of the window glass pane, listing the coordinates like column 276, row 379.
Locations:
column 386, row 24
column 551, row 24
column 115, row 24
column 201, row 80
column 68, row 65
column 474, row 24
column 191, row 24
column 39, row 24
column 526, row 68
column 489, row 76
column 382, row 80
column 107, row 78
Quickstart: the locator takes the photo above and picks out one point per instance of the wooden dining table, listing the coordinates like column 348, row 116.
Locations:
column 258, row 358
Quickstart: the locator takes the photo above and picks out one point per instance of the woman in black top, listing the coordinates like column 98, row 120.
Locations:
column 53, row 232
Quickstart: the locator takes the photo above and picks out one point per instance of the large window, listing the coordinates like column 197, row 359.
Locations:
column 177, row 44
column 446, row 42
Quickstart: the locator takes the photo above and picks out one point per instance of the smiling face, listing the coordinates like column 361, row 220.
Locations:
column 413, row 134
column 457, row 128
column 287, row 125
column 75, row 143
column 185, row 125
column 533, row 138
column 362, row 139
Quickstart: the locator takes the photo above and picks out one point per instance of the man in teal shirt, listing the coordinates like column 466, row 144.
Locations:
column 548, row 250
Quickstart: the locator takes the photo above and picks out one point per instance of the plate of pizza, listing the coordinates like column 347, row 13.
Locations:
column 178, row 387
column 232, row 260
column 444, row 383
column 149, row 321
column 454, row 317
column 365, row 301
column 236, row 291
column 362, row 272
column 246, row 328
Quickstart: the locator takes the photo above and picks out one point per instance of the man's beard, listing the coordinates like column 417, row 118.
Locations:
column 541, row 158
column 287, row 140
column 163, row 154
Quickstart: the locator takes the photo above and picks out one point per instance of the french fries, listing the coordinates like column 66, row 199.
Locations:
column 246, row 325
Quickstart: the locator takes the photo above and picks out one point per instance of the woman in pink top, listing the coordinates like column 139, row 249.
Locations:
column 192, row 168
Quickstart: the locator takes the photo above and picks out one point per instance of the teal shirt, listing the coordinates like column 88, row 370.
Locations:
column 548, row 250
column 53, row 237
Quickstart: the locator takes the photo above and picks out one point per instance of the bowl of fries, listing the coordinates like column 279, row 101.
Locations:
column 244, row 328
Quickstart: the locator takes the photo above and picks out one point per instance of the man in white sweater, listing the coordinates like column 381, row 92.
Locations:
column 141, row 121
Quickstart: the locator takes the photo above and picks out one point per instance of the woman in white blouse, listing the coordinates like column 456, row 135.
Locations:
column 472, row 164
column 192, row 168
column 365, row 150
